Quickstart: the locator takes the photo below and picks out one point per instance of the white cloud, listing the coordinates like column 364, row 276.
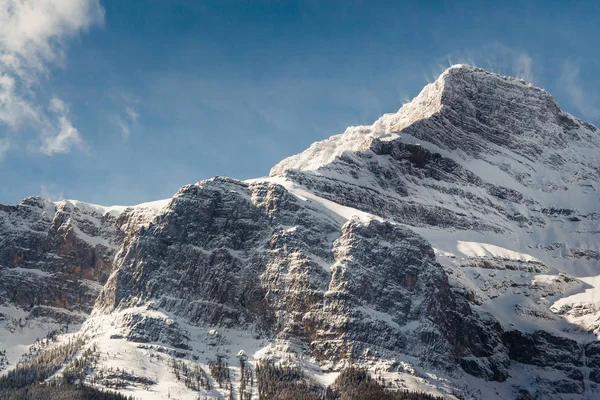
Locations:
column 57, row 105
column 64, row 136
column 33, row 36
column 13, row 108
column 586, row 103
column 33, row 33
column 67, row 137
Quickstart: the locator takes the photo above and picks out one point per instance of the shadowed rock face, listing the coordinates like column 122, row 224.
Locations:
column 390, row 295
column 325, row 256
column 45, row 259
column 197, row 258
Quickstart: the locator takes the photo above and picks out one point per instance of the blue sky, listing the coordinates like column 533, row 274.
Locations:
column 121, row 102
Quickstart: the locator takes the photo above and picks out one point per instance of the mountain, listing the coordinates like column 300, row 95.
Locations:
column 450, row 248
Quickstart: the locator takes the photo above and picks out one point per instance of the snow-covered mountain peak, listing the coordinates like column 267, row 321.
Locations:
column 356, row 138
column 36, row 202
column 470, row 110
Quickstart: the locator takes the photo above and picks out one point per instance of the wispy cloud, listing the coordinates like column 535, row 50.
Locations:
column 523, row 66
column 51, row 192
column 33, row 36
column 495, row 57
column 128, row 120
column 126, row 115
column 4, row 147
column 588, row 104
column 131, row 113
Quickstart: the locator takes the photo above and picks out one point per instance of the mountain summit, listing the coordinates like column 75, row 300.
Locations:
column 449, row 248
column 474, row 113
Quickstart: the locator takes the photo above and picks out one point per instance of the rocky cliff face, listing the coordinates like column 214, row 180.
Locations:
column 54, row 256
column 451, row 246
column 54, row 260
